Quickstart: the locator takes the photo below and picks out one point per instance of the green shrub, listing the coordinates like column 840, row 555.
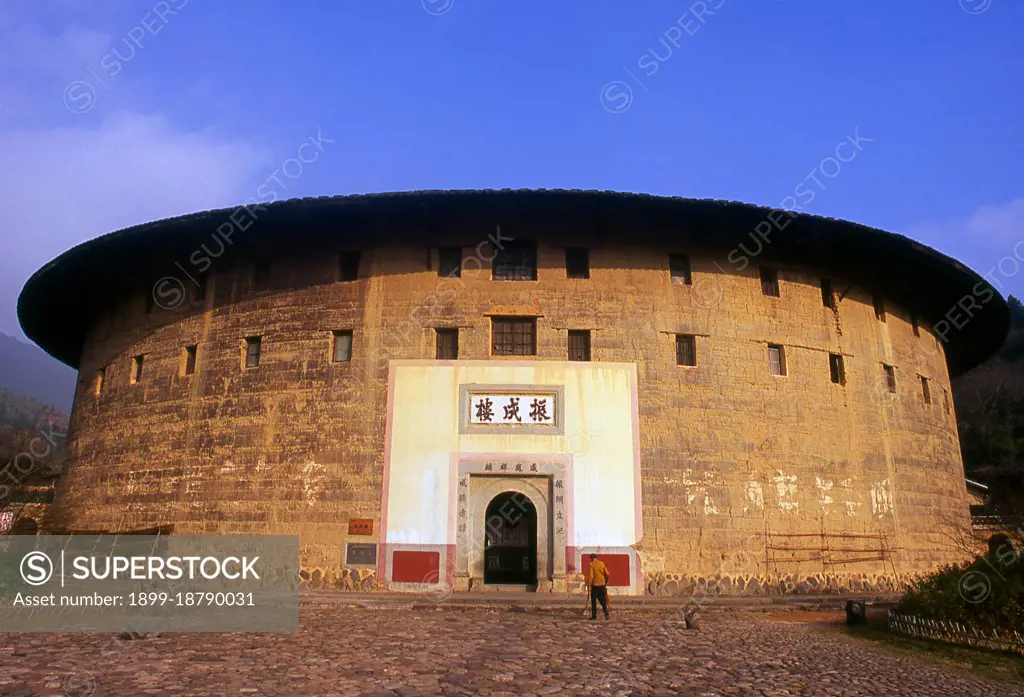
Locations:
column 987, row 592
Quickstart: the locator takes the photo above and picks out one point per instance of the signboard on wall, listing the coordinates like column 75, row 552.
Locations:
column 361, row 553
column 522, row 409
column 536, row 409
column 360, row 526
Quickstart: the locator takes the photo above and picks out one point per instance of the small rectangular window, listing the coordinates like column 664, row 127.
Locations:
column 449, row 262
column 577, row 262
column 769, row 282
column 190, row 359
column 447, row 344
column 836, row 368
column 342, row 346
column 514, row 336
column 686, row 350
column 777, row 359
column 348, row 266
column 828, row 297
column 515, row 261
column 926, row 390
column 252, row 351
column 915, row 326
column 579, row 345
column 890, row 377
column 136, row 374
column 945, row 396
column 879, row 305
column 261, row 276
column 679, row 269
column 100, row 375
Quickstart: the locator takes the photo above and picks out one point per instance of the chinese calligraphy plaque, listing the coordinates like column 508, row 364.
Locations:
column 527, row 409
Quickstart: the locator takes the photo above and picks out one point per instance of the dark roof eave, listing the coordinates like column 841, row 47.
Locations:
column 917, row 273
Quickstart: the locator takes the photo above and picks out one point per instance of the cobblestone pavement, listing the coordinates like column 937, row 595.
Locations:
column 343, row 651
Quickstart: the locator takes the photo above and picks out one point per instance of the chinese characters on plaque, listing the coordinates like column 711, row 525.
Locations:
column 535, row 409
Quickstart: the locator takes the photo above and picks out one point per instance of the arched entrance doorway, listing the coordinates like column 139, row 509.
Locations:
column 510, row 540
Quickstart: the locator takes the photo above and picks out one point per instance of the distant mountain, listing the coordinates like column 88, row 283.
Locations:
column 28, row 371
column 25, row 414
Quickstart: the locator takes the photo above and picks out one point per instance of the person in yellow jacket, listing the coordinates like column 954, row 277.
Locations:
column 597, row 585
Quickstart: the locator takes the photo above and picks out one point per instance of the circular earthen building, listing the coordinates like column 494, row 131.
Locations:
column 475, row 389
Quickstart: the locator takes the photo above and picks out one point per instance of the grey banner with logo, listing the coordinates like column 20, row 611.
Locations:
column 143, row 583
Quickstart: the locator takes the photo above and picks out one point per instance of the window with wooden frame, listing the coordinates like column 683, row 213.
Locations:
column 828, row 295
column 837, row 368
column 449, row 262
column 679, row 269
column 341, row 345
column 447, row 344
column 890, row 377
column 686, row 350
column 777, row 359
column 515, row 261
column 769, row 282
column 253, row 347
column 189, row 359
column 514, row 336
column 136, row 374
column 348, row 265
column 577, row 262
column 879, row 306
column 579, row 344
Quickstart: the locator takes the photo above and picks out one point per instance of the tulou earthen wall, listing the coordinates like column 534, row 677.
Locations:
column 750, row 482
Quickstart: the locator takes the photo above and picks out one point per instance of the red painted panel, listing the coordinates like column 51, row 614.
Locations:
column 416, row 567
column 618, row 567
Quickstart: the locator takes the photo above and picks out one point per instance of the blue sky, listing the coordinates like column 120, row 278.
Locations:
column 115, row 113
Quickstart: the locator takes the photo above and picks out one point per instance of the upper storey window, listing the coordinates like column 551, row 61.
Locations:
column 679, row 269
column 577, row 262
column 136, row 375
column 769, row 282
column 828, row 295
column 447, row 348
column 516, row 261
column 450, row 262
column 253, row 349
column 348, row 266
column 777, row 359
column 514, row 336
column 879, row 307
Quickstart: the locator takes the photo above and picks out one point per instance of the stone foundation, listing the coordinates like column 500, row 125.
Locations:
column 668, row 584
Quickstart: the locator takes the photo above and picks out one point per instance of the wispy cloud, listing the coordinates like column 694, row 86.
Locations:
column 62, row 186
column 990, row 240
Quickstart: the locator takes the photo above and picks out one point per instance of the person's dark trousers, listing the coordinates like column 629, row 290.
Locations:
column 598, row 594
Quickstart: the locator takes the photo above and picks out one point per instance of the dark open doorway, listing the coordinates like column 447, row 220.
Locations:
column 510, row 540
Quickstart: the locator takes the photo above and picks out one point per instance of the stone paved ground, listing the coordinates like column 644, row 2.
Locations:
column 343, row 650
